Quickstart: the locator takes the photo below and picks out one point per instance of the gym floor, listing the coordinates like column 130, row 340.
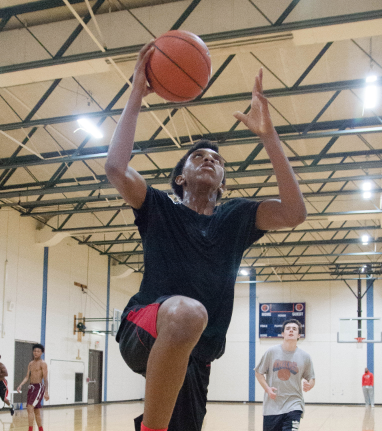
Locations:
column 220, row 417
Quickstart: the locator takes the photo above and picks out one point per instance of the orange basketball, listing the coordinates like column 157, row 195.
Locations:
column 179, row 69
column 283, row 374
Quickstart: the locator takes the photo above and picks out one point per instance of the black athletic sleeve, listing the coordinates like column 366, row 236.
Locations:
column 245, row 215
column 153, row 197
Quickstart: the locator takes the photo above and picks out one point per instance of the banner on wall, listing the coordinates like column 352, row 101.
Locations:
column 273, row 314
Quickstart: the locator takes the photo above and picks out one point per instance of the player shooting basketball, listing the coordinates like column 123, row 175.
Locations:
column 176, row 325
column 289, row 370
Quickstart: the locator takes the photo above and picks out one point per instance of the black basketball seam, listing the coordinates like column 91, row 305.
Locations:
column 180, row 68
column 185, row 40
column 164, row 88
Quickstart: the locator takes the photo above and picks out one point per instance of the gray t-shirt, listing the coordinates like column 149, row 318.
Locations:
column 284, row 371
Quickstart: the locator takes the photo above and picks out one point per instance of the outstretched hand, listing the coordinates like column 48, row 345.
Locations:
column 139, row 79
column 258, row 119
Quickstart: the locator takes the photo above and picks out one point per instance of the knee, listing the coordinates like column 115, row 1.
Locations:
column 182, row 320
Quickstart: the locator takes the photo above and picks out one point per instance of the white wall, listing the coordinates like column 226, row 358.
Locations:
column 127, row 384
column 68, row 262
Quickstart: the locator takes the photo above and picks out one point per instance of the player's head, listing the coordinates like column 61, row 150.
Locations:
column 366, row 369
column 38, row 350
column 206, row 153
column 292, row 329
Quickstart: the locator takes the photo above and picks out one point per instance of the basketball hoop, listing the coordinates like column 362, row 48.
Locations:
column 359, row 342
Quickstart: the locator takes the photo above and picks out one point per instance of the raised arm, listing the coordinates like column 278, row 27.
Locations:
column 289, row 210
column 45, row 376
column 130, row 184
column 270, row 391
column 25, row 379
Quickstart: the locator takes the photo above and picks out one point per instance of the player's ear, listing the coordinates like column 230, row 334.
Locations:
column 180, row 180
column 222, row 188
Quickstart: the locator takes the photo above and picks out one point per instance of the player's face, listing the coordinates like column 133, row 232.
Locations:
column 37, row 353
column 291, row 332
column 205, row 166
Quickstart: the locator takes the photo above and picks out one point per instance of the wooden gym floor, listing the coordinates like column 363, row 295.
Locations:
column 220, row 417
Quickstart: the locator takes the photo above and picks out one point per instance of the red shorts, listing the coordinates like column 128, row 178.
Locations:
column 35, row 395
column 136, row 337
column 137, row 334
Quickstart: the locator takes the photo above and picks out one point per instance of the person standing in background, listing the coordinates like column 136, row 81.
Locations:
column 37, row 390
column 368, row 388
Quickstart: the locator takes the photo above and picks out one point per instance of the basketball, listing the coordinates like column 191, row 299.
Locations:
column 283, row 374
column 179, row 69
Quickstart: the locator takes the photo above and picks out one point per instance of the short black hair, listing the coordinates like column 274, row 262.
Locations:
column 293, row 321
column 203, row 143
column 38, row 346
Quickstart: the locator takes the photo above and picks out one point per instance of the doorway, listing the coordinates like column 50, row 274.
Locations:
column 23, row 355
column 95, row 377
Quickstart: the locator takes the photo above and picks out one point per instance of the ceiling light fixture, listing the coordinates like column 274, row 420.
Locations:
column 371, row 90
column 371, row 93
column 366, row 187
column 365, row 239
column 89, row 127
column 244, row 272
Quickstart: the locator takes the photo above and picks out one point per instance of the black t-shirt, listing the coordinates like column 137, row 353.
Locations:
column 195, row 255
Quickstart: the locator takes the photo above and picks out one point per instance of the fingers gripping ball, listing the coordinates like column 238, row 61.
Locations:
column 283, row 374
column 179, row 69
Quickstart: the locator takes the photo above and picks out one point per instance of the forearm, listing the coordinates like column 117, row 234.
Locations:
column 312, row 382
column 46, row 385
column 23, row 382
column 261, row 379
column 122, row 142
column 292, row 201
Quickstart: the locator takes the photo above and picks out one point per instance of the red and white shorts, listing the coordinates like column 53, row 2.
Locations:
column 35, row 395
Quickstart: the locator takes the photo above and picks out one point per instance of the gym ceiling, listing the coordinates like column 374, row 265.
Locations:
column 61, row 60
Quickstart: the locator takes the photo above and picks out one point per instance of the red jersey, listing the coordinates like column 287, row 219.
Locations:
column 368, row 379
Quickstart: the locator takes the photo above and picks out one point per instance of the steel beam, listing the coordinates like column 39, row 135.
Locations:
column 294, row 263
column 89, row 199
column 278, row 92
column 266, row 245
column 248, row 173
column 292, row 26
column 254, row 246
column 101, row 152
column 286, row 12
column 282, row 245
column 208, row 38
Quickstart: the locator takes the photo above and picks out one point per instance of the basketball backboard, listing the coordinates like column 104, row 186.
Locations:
column 360, row 329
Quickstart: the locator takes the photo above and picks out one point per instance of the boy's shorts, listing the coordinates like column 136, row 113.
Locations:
column 136, row 337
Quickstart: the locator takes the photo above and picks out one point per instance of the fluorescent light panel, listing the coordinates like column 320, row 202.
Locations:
column 89, row 127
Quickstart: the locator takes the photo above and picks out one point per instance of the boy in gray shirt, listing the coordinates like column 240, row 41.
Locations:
column 285, row 366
